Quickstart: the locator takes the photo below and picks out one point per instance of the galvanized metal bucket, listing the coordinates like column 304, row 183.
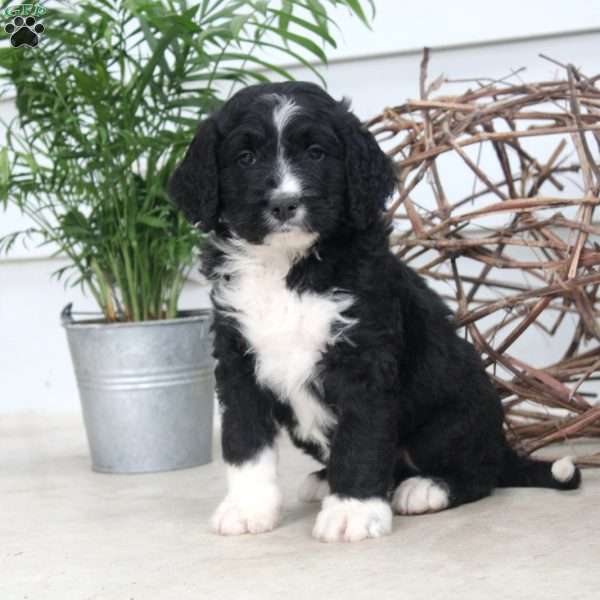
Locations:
column 147, row 391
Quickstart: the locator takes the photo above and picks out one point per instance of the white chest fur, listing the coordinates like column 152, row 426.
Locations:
column 287, row 331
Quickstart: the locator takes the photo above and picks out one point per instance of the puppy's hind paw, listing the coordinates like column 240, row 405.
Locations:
column 314, row 488
column 352, row 520
column 418, row 495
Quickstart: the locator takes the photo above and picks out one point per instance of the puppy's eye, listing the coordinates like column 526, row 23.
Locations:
column 315, row 152
column 246, row 158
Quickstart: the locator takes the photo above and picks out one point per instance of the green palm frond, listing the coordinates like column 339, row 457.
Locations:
column 105, row 108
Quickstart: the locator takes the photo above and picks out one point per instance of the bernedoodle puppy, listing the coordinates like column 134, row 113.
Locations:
column 321, row 330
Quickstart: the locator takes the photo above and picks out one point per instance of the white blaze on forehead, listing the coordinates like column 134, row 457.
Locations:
column 285, row 109
column 289, row 184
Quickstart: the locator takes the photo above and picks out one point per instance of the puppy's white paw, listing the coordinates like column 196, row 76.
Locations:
column 313, row 488
column 351, row 520
column 418, row 495
column 252, row 514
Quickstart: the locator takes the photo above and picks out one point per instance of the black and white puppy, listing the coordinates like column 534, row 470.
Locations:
column 319, row 329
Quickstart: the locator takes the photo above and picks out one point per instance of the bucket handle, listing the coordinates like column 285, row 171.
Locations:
column 66, row 314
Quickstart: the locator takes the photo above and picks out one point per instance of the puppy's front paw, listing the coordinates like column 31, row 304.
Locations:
column 252, row 514
column 351, row 520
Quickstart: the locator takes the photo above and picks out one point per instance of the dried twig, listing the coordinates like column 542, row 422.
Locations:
column 560, row 254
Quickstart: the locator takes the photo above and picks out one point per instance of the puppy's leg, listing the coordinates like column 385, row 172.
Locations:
column 253, row 500
column 452, row 461
column 361, row 462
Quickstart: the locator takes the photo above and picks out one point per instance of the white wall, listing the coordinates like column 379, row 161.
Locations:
column 376, row 69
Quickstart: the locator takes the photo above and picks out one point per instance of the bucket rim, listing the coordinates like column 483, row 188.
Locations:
column 183, row 317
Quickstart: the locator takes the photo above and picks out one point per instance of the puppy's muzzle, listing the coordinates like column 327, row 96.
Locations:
column 283, row 209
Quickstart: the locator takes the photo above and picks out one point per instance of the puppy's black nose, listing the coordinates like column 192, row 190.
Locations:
column 283, row 209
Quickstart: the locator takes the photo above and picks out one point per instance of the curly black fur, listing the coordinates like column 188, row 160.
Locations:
column 400, row 383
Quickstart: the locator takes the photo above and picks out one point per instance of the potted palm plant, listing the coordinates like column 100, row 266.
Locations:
column 107, row 99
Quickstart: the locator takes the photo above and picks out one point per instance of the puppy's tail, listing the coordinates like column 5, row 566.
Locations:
column 522, row 471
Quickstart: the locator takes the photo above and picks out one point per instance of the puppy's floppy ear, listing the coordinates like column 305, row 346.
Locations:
column 370, row 174
column 194, row 186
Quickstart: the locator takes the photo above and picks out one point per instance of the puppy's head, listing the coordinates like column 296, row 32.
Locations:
column 282, row 160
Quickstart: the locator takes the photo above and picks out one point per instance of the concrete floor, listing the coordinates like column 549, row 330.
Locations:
column 68, row 533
